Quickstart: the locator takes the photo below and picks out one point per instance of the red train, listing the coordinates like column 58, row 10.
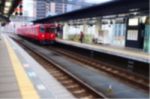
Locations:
column 43, row 33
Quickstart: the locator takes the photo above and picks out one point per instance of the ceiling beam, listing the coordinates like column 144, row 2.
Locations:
column 6, row 10
column 3, row 18
column 14, row 5
column 2, row 6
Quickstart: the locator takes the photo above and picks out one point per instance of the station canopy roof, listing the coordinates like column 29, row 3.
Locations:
column 7, row 7
column 103, row 9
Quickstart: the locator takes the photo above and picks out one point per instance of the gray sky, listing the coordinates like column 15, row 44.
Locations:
column 28, row 7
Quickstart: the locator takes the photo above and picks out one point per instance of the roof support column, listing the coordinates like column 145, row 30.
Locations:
column 65, row 30
column 97, row 28
column 85, row 26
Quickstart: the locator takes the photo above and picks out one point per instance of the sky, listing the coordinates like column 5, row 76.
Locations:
column 28, row 7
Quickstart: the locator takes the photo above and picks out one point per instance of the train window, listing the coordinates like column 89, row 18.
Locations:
column 42, row 29
column 50, row 30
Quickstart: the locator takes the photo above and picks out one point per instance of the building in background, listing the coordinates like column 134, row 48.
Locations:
column 54, row 8
column 41, row 8
column 62, row 6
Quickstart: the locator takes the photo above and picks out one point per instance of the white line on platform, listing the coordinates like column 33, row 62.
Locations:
column 41, row 87
column 32, row 74
column 26, row 65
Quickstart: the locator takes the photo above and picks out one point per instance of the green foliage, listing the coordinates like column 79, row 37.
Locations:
column 74, row 37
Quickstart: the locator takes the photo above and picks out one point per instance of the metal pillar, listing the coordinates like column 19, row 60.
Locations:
column 65, row 30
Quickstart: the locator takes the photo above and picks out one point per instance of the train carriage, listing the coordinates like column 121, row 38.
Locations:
column 43, row 33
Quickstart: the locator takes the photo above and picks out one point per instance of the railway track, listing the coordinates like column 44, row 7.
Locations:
column 76, row 86
column 117, row 72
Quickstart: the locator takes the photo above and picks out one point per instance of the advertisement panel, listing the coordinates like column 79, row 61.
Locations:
column 147, row 38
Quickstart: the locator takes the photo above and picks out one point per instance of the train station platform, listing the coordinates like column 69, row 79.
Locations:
column 129, row 53
column 22, row 77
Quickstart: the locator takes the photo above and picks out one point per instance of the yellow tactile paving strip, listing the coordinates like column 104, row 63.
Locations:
column 27, row 90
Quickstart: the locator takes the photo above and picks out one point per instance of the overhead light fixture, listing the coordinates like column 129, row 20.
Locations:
column 133, row 10
column 8, row 4
column 97, row 1
column 6, row 9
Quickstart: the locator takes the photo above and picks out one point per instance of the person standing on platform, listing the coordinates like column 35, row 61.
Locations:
column 81, row 36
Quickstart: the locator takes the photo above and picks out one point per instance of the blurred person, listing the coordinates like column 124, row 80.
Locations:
column 81, row 36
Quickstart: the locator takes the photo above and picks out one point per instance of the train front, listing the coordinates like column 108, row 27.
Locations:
column 48, row 33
